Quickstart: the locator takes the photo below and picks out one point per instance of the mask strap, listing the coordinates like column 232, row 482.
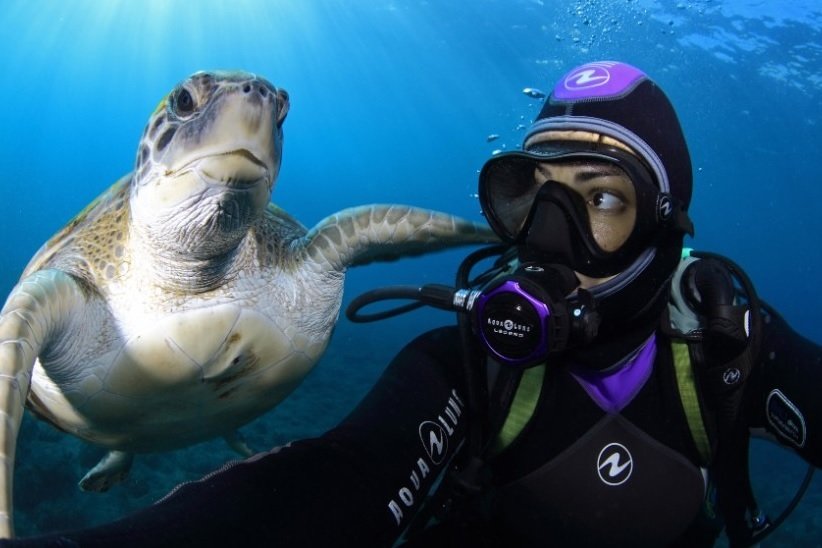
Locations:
column 672, row 215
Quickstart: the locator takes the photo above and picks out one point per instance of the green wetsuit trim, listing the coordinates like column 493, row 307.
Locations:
column 690, row 401
column 530, row 387
column 522, row 408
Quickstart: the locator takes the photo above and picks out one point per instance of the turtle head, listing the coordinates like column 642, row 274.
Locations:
column 208, row 159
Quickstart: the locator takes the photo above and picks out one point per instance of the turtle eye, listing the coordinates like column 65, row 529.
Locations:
column 183, row 103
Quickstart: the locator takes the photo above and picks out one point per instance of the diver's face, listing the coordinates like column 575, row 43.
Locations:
column 609, row 195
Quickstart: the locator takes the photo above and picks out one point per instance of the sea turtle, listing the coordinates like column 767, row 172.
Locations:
column 181, row 303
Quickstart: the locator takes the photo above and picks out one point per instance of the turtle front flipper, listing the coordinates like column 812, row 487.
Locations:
column 38, row 308
column 379, row 232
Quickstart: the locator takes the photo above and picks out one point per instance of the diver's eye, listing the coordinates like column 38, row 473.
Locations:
column 183, row 103
column 607, row 202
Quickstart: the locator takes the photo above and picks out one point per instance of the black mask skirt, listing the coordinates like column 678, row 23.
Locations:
column 549, row 222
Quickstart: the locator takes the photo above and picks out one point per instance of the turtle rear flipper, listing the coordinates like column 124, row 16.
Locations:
column 36, row 311
column 236, row 441
column 111, row 470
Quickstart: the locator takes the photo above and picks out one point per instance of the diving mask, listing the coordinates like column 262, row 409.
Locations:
column 550, row 222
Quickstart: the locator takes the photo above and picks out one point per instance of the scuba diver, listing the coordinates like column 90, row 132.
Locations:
column 599, row 388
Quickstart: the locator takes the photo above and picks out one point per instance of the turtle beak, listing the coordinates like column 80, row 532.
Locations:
column 234, row 169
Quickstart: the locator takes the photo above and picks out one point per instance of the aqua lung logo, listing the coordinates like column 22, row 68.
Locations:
column 434, row 437
column 509, row 328
column 434, row 440
column 590, row 76
column 731, row 376
column 614, row 464
column 665, row 207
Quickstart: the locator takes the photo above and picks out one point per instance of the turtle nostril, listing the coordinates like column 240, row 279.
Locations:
column 246, row 88
column 263, row 91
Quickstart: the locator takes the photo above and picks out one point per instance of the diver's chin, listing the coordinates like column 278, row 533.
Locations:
column 587, row 282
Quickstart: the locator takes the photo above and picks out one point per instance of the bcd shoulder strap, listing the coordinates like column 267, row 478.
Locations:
column 722, row 337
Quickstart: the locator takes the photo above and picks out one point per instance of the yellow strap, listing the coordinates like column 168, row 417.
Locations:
column 690, row 401
column 522, row 407
column 530, row 386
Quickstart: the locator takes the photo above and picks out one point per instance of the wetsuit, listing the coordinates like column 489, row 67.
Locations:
column 592, row 466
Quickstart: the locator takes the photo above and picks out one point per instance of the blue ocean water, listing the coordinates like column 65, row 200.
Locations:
column 392, row 101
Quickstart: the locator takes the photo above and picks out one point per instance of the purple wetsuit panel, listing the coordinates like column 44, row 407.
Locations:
column 613, row 389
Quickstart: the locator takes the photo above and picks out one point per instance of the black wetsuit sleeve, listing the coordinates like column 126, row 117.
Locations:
column 786, row 395
column 357, row 485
